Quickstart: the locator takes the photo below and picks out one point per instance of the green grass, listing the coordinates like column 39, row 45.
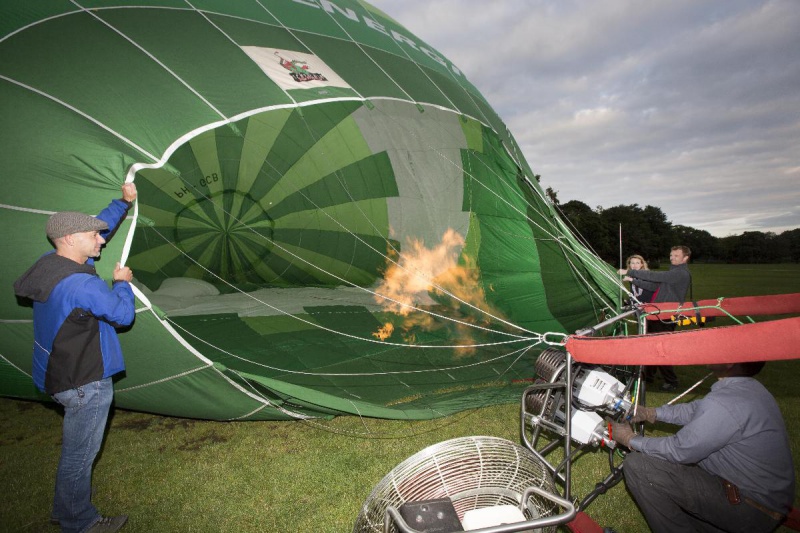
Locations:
column 173, row 474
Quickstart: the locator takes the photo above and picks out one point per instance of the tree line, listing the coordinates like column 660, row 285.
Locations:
column 648, row 232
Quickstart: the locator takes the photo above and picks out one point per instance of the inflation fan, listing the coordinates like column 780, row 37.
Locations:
column 492, row 485
column 470, row 477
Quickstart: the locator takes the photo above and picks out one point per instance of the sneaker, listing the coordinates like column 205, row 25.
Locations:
column 669, row 387
column 108, row 524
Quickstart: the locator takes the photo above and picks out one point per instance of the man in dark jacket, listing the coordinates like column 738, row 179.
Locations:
column 669, row 286
column 76, row 349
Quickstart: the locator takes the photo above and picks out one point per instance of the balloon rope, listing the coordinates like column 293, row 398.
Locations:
column 386, row 373
column 152, row 57
column 83, row 115
column 403, row 304
column 126, row 248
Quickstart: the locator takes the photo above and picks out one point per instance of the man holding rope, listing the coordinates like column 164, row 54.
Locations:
column 76, row 349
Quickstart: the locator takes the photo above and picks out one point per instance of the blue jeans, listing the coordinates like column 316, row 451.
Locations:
column 85, row 415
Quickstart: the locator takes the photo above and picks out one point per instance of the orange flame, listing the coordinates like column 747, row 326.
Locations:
column 384, row 332
column 407, row 282
column 421, row 274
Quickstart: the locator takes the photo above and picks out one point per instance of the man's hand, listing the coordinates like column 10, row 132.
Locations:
column 123, row 273
column 622, row 433
column 644, row 414
column 129, row 192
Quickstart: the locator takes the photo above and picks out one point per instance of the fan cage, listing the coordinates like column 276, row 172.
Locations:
column 473, row 472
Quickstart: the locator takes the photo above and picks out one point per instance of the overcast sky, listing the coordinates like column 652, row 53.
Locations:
column 692, row 106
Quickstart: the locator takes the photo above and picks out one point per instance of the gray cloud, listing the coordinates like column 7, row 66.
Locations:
column 693, row 107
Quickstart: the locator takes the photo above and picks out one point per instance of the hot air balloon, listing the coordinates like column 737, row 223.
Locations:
column 331, row 218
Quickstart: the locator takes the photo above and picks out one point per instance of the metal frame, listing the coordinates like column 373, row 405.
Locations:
column 563, row 434
column 393, row 516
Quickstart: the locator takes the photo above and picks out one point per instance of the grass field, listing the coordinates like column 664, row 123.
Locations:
column 173, row 474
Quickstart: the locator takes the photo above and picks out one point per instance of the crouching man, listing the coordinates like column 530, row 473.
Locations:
column 729, row 467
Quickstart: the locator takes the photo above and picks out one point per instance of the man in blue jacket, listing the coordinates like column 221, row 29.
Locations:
column 76, row 349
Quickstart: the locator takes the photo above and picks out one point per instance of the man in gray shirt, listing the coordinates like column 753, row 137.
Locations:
column 729, row 468
column 669, row 286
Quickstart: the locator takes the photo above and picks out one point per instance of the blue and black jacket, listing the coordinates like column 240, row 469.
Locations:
column 75, row 316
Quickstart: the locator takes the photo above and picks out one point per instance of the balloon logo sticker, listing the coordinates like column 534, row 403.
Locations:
column 298, row 72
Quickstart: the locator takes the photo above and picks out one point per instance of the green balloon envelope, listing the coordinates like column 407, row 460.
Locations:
column 331, row 219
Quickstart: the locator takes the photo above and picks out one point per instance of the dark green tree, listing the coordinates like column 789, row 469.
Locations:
column 704, row 246
column 788, row 243
column 553, row 195
column 757, row 247
column 645, row 231
column 589, row 225
column 727, row 248
column 648, row 232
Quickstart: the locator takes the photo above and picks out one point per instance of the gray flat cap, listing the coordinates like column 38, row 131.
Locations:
column 69, row 222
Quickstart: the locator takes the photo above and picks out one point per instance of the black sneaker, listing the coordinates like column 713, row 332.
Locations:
column 669, row 387
column 108, row 524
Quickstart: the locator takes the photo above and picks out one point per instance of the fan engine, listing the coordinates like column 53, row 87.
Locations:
column 594, row 392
